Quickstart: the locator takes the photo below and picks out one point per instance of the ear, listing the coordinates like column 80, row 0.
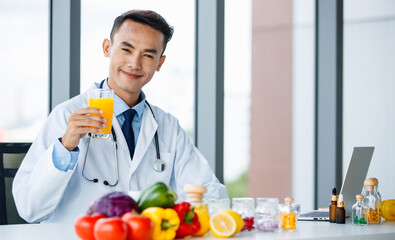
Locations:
column 161, row 61
column 106, row 47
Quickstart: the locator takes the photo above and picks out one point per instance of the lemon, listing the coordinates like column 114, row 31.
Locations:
column 223, row 225
column 239, row 221
column 226, row 223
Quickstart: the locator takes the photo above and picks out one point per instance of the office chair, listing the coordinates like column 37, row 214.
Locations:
column 8, row 166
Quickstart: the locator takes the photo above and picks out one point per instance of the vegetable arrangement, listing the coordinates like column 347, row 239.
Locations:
column 117, row 216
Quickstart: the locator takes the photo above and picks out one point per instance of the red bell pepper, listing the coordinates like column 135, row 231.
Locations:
column 189, row 221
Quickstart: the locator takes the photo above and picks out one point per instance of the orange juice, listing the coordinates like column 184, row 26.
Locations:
column 107, row 106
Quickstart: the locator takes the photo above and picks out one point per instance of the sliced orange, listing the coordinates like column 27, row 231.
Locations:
column 223, row 225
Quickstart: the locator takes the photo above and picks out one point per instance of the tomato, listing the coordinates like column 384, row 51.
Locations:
column 112, row 228
column 139, row 227
column 84, row 225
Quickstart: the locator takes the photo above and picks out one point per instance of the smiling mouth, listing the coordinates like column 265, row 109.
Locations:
column 132, row 75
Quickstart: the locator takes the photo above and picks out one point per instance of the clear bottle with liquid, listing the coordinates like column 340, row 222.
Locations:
column 359, row 212
column 372, row 199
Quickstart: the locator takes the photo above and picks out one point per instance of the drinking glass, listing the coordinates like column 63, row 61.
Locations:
column 102, row 99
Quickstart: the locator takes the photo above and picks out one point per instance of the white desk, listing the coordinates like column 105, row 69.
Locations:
column 305, row 230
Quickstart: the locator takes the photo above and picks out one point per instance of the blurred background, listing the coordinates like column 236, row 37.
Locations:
column 269, row 83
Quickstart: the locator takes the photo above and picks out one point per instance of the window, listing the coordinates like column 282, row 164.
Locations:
column 368, row 86
column 269, row 99
column 24, row 68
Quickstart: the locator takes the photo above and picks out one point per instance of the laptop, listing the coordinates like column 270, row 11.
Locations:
column 352, row 183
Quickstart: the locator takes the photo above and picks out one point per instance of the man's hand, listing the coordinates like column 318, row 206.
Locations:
column 80, row 123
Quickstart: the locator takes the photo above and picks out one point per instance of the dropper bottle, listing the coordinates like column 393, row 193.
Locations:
column 340, row 212
column 333, row 206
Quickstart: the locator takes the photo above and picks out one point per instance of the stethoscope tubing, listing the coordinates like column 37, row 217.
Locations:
column 159, row 164
column 115, row 145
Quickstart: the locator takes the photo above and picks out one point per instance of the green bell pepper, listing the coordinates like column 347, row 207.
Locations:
column 157, row 195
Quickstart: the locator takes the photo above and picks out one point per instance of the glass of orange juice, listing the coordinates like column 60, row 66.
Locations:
column 102, row 99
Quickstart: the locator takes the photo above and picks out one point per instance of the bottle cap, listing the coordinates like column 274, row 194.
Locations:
column 195, row 192
column 371, row 182
column 195, row 189
column 334, row 197
column 340, row 202
column 288, row 200
column 341, row 197
column 359, row 197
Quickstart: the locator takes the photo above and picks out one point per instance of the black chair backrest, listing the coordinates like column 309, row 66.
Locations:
column 8, row 168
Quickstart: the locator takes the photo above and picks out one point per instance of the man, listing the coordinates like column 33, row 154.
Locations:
column 56, row 183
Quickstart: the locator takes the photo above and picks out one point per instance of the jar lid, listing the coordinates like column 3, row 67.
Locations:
column 359, row 197
column 288, row 200
column 195, row 188
column 371, row 182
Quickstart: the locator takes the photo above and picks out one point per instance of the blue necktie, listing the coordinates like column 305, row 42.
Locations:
column 128, row 130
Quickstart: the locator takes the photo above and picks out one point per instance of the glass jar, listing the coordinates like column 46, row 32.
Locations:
column 216, row 205
column 203, row 206
column 375, row 182
column 372, row 199
column 359, row 212
column 288, row 215
column 195, row 196
column 246, row 208
column 267, row 214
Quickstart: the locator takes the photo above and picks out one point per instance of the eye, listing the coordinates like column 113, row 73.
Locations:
column 149, row 56
column 126, row 50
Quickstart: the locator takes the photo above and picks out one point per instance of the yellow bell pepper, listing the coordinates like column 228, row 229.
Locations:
column 166, row 222
column 204, row 220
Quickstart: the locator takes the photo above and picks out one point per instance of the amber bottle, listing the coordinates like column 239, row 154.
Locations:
column 340, row 212
column 333, row 207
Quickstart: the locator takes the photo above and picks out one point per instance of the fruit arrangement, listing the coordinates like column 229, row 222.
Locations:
column 156, row 216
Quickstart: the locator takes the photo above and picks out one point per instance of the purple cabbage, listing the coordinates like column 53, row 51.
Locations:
column 114, row 204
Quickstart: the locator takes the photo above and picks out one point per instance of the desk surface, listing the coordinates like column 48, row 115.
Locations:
column 305, row 230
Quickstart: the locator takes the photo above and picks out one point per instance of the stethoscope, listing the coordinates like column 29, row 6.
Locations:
column 159, row 165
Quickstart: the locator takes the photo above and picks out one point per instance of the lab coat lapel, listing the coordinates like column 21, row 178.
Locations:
column 147, row 132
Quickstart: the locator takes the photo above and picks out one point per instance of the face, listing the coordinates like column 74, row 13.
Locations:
column 135, row 55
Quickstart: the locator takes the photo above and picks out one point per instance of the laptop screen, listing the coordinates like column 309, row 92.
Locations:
column 355, row 176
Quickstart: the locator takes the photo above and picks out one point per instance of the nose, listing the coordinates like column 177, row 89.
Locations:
column 134, row 62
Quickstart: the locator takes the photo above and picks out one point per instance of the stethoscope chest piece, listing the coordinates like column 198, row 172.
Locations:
column 159, row 165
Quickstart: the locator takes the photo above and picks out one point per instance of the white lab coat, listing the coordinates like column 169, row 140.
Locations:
column 45, row 194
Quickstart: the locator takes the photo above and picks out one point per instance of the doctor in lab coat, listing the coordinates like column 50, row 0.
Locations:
column 49, row 186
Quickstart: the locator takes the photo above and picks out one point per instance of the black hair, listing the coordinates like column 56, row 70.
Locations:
column 147, row 17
